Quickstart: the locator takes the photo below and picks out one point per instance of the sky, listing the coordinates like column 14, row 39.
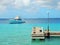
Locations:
column 30, row 8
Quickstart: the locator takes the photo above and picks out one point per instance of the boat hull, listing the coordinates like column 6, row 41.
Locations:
column 16, row 22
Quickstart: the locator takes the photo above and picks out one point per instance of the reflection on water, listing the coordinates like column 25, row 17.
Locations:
column 51, row 41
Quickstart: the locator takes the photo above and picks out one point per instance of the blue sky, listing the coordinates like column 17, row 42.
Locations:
column 29, row 8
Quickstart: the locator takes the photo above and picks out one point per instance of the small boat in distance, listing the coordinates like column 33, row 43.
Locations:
column 16, row 20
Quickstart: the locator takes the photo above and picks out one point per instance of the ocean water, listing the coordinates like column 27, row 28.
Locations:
column 20, row 34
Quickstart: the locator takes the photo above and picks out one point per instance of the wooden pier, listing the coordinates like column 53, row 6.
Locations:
column 38, row 33
column 53, row 33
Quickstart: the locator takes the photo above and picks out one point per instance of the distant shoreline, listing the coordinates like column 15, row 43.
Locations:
column 29, row 18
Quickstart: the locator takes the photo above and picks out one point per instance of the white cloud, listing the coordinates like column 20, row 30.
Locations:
column 43, row 3
column 58, row 5
column 17, row 3
column 4, row 4
column 29, row 3
column 2, row 8
column 26, row 2
column 21, row 3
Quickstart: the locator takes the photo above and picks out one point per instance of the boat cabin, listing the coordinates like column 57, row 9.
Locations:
column 37, row 33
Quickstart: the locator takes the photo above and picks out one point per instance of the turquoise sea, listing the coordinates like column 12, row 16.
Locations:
column 20, row 34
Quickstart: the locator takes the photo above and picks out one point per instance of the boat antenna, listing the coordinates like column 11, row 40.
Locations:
column 48, row 21
column 48, row 33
